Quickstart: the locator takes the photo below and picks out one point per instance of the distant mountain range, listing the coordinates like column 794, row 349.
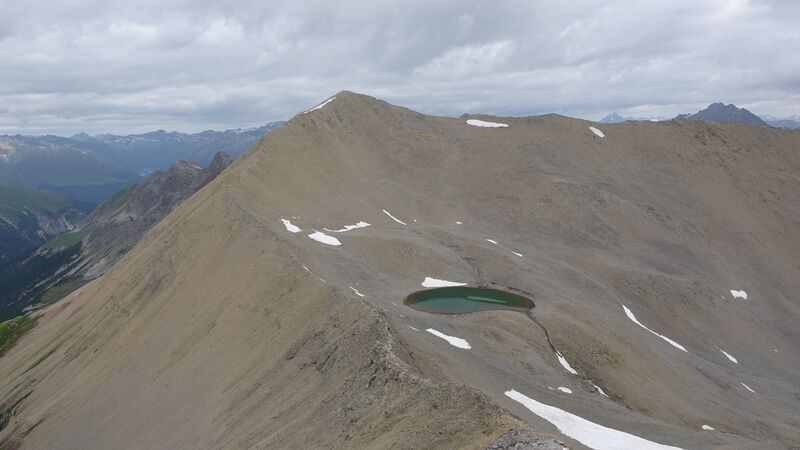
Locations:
column 92, row 168
column 157, row 150
column 616, row 118
column 60, row 165
column 719, row 112
column 94, row 245
column 786, row 122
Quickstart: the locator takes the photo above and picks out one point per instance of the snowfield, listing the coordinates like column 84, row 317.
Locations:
column 747, row 387
column 739, row 294
column 290, row 226
column 454, row 341
column 564, row 363
column 356, row 291
column 728, row 355
column 587, row 433
column 484, row 124
column 393, row 217
column 324, row 238
column 630, row 315
column 435, row 282
column 360, row 224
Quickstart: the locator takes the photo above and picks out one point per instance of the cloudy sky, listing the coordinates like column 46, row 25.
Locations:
column 187, row 65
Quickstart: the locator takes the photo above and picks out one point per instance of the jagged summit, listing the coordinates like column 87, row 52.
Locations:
column 720, row 112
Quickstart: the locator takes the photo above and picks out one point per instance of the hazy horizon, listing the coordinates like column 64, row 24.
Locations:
column 114, row 67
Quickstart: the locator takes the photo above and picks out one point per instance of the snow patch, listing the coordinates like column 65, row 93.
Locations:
column 728, row 355
column 597, row 132
column 435, row 282
column 747, row 387
column 320, row 106
column 458, row 222
column 324, row 238
column 564, row 363
column 290, row 226
column 454, row 341
column 503, row 247
column 360, row 224
column 484, row 124
column 739, row 294
column 599, row 389
column 630, row 315
column 564, row 389
column 415, row 329
column 707, row 428
column 393, row 217
column 312, row 273
column 356, row 291
column 588, row 433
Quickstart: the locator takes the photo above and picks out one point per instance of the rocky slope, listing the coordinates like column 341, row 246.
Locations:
column 103, row 237
column 225, row 328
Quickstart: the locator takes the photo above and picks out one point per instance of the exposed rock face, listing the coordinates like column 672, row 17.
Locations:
column 222, row 328
column 720, row 112
column 117, row 228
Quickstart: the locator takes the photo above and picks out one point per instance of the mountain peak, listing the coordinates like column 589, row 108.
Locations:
column 614, row 117
column 720, row 112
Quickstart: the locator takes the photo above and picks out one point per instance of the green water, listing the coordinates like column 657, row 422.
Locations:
column 462, row 299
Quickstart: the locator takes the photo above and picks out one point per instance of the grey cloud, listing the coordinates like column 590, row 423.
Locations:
column 113, row 65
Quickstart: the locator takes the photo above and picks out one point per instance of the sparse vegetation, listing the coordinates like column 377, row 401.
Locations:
column 67, row 240
column 12, row 330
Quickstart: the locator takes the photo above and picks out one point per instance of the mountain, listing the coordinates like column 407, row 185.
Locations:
column 786, row 122
column 91, row 169
column 720, row 112
column 30, row 217
column 616, row 118
column 661, row 258
column 60, row 165
column 146, row 152
column 69, row 261
column 612, row 118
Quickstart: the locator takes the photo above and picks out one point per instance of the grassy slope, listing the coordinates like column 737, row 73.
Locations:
column 12, row 330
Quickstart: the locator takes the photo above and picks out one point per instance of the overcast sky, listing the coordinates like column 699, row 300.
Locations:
column 188, row 65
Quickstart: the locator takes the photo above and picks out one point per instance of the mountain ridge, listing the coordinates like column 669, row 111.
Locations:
column 221, row 297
